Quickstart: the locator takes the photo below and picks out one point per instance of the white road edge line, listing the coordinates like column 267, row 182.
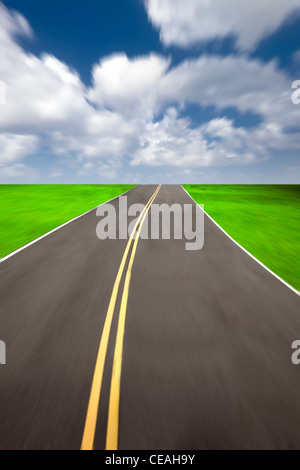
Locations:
column 58, row 228
column 242, row 248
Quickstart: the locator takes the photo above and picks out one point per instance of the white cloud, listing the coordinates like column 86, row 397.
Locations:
column 40, row 92
column 128, row 86
column 233, row 81
column 14, row 147
column 47, row 101
column 12, row 23
column 172, row 142
column 226, row 81
column 296, row 57
column 95, row 130
column 187, row 22
column 18, row 171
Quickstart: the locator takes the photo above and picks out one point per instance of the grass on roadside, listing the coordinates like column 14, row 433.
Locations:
column 29, row 211
column 264, row 219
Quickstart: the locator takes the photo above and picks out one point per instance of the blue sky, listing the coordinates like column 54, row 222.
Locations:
column 149, row 91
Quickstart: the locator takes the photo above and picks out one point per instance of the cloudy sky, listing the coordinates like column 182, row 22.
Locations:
column 149, row 91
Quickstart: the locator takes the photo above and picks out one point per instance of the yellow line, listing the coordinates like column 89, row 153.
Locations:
column 112, row 435
column 93, row 406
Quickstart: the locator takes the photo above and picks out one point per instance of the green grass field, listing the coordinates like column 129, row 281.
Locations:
column 29, row 211
column 264, row 219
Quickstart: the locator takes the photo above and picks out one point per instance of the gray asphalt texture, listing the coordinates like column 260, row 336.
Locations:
column 207, row 346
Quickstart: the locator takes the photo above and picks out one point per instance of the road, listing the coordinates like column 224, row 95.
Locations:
column 206, row 351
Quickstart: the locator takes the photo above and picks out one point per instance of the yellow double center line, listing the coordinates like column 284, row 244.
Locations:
column 114, row 401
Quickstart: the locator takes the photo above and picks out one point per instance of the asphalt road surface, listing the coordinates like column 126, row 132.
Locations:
column 206, row 345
